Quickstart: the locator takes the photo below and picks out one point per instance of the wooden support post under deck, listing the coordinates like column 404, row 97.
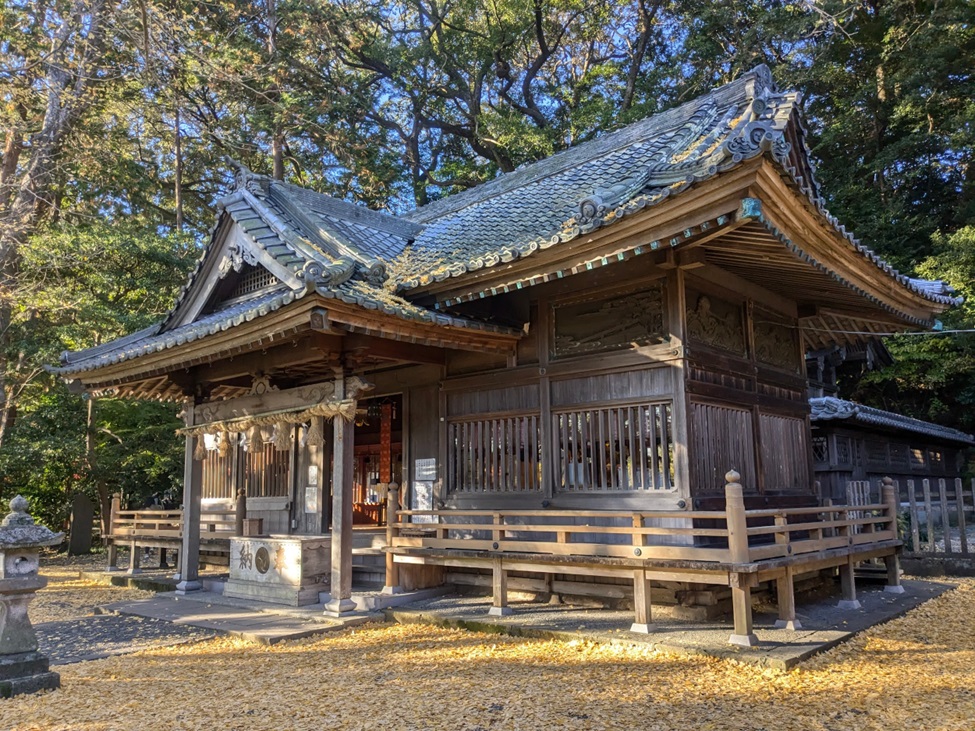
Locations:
column 785, row 589
column 189, row 554
column 890, row 498
column 741, row 592
column 741, row 605
column 392, row 570
column 848, row 584
column 112, row 548
column 134, row 557
column 340, row 588
column 499, row 591
column 641, row 603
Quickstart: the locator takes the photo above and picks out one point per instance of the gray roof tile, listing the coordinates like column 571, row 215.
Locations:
column 830, row 408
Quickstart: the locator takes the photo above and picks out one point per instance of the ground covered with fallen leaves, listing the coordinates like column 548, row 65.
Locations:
column 913, row 673
column 67, row 596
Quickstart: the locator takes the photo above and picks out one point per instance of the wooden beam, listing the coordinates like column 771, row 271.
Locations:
column 395, row 350
column 299, row 351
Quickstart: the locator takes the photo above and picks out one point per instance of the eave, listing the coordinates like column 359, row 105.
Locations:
column 312, row 313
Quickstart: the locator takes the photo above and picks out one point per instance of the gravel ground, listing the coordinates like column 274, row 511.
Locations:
column 911, row 673
column 68, row 630
column 66, row 596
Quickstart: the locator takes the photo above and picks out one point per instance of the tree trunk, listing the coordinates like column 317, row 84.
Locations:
column 74, row 59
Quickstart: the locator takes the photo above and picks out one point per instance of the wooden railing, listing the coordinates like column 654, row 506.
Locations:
column 163, row 529
column 742, row 536
column 734, row 547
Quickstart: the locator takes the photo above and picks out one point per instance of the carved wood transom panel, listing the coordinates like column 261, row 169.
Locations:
column 775, row 343
column 715, row 322
column 603, row 323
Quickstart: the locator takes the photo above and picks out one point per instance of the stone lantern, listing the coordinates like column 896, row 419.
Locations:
column 22, row 668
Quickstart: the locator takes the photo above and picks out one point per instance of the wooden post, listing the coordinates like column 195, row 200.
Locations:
column 112, row 548
column 392, row 518
column 189, row 554
column 848, row 585
column 889, row 494
column 499, row 590
column 929, row 514
column 915, row 528
column 945, row 523
column 741, row 593
column 343, row 462
column 134, row 558
column 786, row 593
column 960, row 508
column 641, row 603
column 240, row 512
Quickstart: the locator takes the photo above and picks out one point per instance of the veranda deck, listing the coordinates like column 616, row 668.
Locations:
column 751, row 546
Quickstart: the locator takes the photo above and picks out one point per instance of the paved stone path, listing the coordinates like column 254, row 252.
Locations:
column 224, row 616
column 92, row 638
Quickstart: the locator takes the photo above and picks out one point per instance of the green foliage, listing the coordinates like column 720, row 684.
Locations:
column 80, row 286
column 933, row 376
column 399, row 103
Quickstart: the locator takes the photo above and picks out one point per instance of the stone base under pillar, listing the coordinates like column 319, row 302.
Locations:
column 26, row 672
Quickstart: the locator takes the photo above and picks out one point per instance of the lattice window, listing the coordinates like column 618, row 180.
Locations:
column 918, row 459
column 876, row 453
column 820, row 447
column 265, row 471
column 615, row 448
column 251, row 279
column 495, row 454
column 218, row 474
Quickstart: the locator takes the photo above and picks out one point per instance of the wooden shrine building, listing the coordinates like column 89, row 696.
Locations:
column 592, row 341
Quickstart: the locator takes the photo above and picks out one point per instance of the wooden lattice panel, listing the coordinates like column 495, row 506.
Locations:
column 253, row 279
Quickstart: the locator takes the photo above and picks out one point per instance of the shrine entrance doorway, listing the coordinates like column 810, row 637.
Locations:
column 378, row 457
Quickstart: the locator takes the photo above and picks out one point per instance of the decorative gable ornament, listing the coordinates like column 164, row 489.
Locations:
column 608, row 197
column 236, row 256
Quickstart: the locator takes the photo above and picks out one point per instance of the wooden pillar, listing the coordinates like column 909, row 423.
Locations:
column 240, row 512
column 785, row 589
column 499, row 590
column 741, row 592
column 343, row 462
column 677, row 325
column 642, row 620
column 134, row 558
column 392, row 570
column 889, row 495
column 189, row 554
column 112, row 548
column 848, row 584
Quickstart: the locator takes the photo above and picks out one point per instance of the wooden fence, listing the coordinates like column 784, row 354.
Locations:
column 937, row 517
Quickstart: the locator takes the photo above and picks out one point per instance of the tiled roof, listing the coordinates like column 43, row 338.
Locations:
column 309, row 234
column 151, row 340
column 830, row 408
column 600, row 182
column 374, row 259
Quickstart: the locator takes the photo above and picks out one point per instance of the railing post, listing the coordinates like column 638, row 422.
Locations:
column 240, row 512
column 737, row 522
column 392, row 518
column 741, row 592
column 112, row 548
column 890, row 497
